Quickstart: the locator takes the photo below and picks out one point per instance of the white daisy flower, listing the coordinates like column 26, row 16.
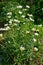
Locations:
column 35, row 49
column 36, row 34
column 1, row 29
column 24, row 23
column 19, row 6
column 9, row 16
column 20, row 12
column 27, row 6
column 9, row 13
column 7, row 28
column 5, row 25
column 10, row 22
column 33, row 29
column 15, row 20
column 40, row 25
column 27, row 32
column 22, row 48
column 1, row 35
column 31, row 19
column 23, row 16
column 34, row 40
column 30, row 15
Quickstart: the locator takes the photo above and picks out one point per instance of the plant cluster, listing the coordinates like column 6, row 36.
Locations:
column 22, row 40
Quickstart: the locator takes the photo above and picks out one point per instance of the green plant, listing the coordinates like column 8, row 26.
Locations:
column 23, row 40
column 18, row 43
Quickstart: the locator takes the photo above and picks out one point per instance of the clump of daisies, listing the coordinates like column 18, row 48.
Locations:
column 15, row 11
column 21, row 37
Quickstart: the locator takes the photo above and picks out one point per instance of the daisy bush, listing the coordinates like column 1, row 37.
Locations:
column 22, row 36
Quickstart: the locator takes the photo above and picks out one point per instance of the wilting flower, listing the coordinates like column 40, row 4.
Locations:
column 34, row 40
column 20, row 12
column 22, row 48
column 35, row 49
column 27, row 6
column 19, row 6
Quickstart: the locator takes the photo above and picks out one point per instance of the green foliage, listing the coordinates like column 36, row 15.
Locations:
column 2, row 4
column 18, row 44
column 23, row 43
column 37, row 11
